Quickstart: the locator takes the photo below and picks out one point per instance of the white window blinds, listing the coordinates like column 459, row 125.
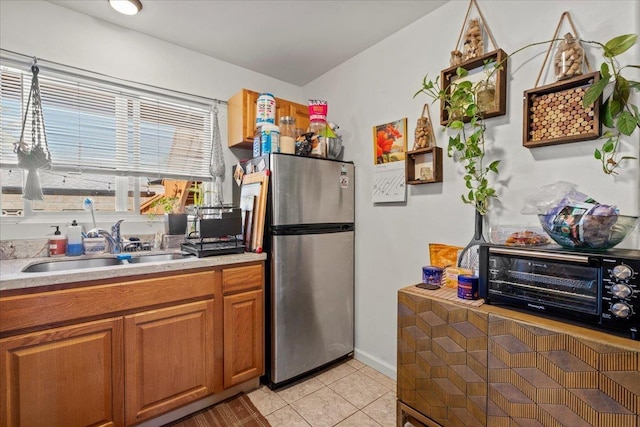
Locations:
column 99, row 127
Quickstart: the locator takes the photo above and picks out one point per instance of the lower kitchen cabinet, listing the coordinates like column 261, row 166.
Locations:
column 69, row 376
column 243, row 337
column 168, row 358
column 243, row 300
column 117, row 352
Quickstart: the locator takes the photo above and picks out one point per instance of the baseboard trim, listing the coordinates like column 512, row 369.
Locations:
column 377, row 364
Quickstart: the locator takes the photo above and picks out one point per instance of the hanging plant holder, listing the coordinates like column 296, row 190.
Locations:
column 217, row 166
column 554, row 113
column 35, row 155
column 470, row 54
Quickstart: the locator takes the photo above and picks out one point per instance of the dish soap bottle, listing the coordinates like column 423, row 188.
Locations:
column 74, row 239
column 57, row 243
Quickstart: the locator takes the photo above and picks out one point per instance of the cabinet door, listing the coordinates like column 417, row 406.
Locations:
column 242, row 118
column 169, row 356
column 301, row 114
column 70, row 376
column 243, row 337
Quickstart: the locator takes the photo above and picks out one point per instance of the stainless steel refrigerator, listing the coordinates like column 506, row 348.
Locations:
column 309, row 238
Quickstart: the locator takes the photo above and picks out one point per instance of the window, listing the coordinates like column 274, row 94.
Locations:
column 107, row 141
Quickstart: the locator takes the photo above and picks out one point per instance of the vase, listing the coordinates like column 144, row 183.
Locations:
column 175, row 223
column 469, row 257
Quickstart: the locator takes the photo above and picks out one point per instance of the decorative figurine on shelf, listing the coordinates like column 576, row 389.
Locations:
column 473, row 40
column 423, row 135
column 456, row 58
column 568, row 58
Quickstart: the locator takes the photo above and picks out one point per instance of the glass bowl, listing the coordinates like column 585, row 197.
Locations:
column 592, row 232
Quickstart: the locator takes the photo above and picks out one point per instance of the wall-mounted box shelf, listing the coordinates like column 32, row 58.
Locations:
column 424, row 166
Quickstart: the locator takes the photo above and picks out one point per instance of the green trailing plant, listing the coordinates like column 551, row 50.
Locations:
column 618, row 113
column 198, row 193
column 466, row 140
column 169, row 205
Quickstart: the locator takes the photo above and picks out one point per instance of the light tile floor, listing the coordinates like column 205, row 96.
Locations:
column 347, row 394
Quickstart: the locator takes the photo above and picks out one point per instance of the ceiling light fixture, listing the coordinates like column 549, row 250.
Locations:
column 127, row 7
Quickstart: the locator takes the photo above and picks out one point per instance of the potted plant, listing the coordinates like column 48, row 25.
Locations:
column 175, row 217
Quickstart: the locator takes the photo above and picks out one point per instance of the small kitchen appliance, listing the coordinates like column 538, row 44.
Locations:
column 601, row 289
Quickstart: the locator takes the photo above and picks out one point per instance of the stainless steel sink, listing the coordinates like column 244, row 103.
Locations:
column 47, row 266
column 156, row 258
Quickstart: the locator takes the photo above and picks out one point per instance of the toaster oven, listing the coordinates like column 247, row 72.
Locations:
column 601, row 289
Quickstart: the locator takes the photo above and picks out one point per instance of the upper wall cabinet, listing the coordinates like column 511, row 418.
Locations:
column 242, row 116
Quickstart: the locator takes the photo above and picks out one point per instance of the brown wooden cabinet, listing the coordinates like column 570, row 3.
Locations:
column 243, row 324
column 465, row 366
column 168, row 358
column 69, row 376
column 242, row 117
column 120, row 351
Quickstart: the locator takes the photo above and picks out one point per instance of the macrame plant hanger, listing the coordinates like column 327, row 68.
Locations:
column 456, row 53
column 35, row 156
column 217, row 166
column 555, row 39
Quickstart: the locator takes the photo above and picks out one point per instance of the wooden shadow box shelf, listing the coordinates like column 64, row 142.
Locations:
column 424, row 166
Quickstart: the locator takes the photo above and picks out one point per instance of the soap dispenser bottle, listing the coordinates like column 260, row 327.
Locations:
column 57, row 243
column 74, row 239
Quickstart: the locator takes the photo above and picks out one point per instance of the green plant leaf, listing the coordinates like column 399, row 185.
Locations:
column 614, row 107
column 605, row 114
column 618, row 45
column 626, row 123
column 597, row 154
column 593, row 93
column 470, row 196
column 461, row 72
column 494, row 166
column 607, row 147
column 605, row 74
column 621, row 90
column 456, row 124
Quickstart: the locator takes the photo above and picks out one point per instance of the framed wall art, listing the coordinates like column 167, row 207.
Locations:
column 490, row 84
column 389, row 152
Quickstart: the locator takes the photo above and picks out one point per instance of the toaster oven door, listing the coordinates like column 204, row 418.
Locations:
column 565, row 284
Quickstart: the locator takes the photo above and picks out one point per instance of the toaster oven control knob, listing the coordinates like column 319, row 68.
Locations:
column 621, row 309
column 621, row 291
column 622, row 272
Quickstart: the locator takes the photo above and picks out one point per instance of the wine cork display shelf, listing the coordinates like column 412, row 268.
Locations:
column 553, row 114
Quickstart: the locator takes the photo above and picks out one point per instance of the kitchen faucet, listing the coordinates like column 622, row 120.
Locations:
column 114, row 239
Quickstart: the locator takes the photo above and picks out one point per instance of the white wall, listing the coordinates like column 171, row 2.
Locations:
column 374, row 87
column 377, row 86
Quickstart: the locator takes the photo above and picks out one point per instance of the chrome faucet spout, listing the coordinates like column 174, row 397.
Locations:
column 115, row 232
column 114, row 238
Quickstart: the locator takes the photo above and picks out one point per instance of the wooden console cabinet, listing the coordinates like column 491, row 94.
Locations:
column 242, row 117
column 119, row 352
column 467, row 366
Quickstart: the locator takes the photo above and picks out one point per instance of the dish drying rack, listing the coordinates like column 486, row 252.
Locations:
column 217, row 230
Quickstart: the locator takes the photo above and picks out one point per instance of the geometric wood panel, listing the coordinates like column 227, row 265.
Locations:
column 467, row 366
column 442, row 360
column 539, row 377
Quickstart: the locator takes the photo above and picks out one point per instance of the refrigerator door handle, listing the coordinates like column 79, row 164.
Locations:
column 299, row 229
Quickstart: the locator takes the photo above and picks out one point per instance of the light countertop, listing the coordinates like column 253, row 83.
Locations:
column 12, row 277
